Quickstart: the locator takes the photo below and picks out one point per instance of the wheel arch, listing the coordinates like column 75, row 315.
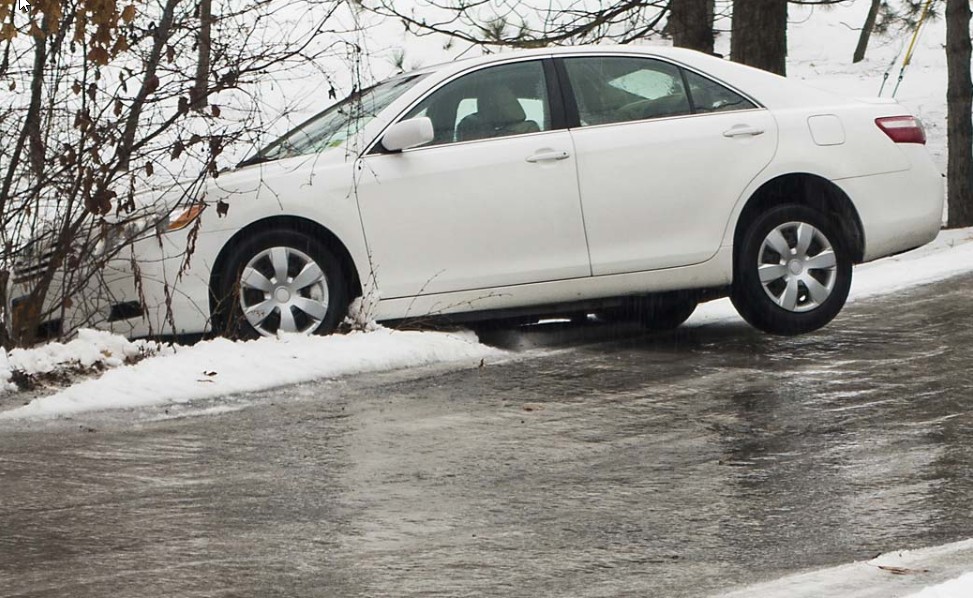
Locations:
column 289, row 223
column 809, row 190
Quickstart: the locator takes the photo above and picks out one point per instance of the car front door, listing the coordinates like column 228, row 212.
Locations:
column 663, row 156
column 492, row 201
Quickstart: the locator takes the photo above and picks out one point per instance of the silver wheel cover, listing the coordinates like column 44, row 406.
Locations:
column 283, row 290
column 797, row 267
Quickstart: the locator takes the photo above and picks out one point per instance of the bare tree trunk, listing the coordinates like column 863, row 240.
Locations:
column 691, row 24
column 30, row 134
column 759, row 34
column 150, row 81
column 959, row 122
column 198, row 98
column 35, row 145
column 867, row 31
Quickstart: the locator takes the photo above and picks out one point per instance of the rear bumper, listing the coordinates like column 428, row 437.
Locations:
column 901, row 210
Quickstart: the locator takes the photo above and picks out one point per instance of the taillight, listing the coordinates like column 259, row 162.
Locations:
column 902, row 129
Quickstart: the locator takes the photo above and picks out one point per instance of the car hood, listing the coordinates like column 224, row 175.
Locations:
column 163, row 198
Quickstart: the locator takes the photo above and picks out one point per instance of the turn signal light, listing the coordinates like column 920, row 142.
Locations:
column 902, row 129
column 185, row 218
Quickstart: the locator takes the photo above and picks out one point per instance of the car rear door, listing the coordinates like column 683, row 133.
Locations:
column 492, row 201
column 664, row 154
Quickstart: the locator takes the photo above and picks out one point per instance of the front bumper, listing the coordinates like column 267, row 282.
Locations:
column 149, row 289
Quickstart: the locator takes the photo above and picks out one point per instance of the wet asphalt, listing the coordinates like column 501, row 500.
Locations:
column 608, row 464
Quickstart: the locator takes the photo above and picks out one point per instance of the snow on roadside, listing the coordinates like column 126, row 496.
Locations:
column 950, row 254
column 92, row 350
column 934, row 572
column 961, row 587
column 220, row 367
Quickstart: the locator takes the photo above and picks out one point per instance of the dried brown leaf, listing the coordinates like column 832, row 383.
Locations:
column 128, row 13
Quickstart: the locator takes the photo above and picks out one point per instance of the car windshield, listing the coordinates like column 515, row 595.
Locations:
column 332, row 127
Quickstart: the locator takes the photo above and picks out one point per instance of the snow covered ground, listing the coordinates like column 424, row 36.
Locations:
column 937, row 572
column 961, row 587
column 220, row 367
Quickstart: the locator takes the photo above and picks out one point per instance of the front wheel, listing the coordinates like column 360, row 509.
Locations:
column 793, row 271
column 282, row 281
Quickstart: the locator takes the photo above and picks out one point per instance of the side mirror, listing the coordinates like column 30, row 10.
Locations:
column 408, row 133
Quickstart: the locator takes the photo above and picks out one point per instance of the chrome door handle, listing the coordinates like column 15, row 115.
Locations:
column 743, row 131
column 546, row 155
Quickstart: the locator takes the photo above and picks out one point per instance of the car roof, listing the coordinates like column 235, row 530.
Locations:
column 662, row 51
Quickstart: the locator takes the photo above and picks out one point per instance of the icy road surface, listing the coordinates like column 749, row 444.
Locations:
column 675, row 465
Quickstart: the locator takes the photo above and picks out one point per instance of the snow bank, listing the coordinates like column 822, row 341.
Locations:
column 91, row 350
column 949, row 255
column 936, row 572
column 220, row 367
column 961, row 587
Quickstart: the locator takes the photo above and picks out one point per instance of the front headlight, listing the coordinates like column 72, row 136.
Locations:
column 136, row 228
column 119, row 233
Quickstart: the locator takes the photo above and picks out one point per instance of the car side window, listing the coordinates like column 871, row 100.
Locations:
column 710, row 96
column 499, row 101
column 621, row 89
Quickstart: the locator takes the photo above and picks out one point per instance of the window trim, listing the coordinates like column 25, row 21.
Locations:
column 560, row 114
column 567, row 94
column 559, row 121
column 689, row 92
column 574, row 117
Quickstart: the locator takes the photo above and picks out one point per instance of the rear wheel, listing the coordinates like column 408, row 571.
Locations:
column 793, row 271
column 282, row 281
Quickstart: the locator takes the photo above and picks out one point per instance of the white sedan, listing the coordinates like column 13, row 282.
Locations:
column 627, row 181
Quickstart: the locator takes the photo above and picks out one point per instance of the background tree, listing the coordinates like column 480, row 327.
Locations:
column 899, row 19
column 959, row 122
column 520, row 24
column 759, row 29
column 867, row 29
column 691, row 24
column 759, row 34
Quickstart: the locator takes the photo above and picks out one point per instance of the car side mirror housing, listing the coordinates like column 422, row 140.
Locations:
column 408, row 133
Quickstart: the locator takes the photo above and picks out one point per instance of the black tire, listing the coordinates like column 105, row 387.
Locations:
column 668, row 317
column 502, row 323
column 579, row 319
column 230, row 320
column 658, row 314
column 748, row 293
